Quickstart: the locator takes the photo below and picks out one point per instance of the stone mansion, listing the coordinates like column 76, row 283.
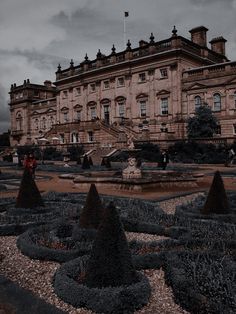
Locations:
column 144, row 93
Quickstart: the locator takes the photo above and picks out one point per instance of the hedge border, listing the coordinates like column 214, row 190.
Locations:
column 33, row 250
column 116, row 300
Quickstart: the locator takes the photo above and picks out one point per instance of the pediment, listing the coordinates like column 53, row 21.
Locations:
column 78, row 106
column 64, row 109
column 163, row 92
column 196, row 85
column 50, row 111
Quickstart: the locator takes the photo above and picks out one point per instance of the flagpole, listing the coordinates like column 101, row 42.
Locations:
column 124, row 31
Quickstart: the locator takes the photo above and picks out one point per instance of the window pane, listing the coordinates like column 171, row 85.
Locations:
column 164, row 106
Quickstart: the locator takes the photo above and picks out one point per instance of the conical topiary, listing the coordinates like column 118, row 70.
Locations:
column 90, row 161
column 217, row 201
column 28, row 195
column 85, row 164
column 93, row 210
column 110, row 263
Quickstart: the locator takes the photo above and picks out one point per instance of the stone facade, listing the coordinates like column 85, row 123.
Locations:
column 146, row 93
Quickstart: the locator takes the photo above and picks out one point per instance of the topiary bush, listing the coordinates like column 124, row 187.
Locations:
column 93, row 210
column 217, row 201
column 110, row 263
column 28, row 195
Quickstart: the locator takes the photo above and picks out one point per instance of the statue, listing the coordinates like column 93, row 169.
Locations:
column 131, row 172
column 130, row 141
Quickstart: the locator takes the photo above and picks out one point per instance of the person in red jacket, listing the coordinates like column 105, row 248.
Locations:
column 30, row 163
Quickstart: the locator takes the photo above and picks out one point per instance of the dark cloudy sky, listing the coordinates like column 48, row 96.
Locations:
column 37, row 34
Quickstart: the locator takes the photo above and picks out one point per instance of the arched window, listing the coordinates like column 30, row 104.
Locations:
column 217, row 102
column 197, row 102
column 19, row 121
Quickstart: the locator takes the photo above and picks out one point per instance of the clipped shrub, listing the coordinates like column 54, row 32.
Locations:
column 28, row 195
column 64, row 230
column 106, row 162
column 93, row 210
column 110, row 263
column 85, row 164
column 78, row 161
column 217, row 201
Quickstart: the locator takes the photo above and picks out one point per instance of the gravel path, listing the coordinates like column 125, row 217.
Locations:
column 37, row 275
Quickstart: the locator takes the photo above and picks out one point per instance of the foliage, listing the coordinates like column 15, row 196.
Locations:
column 5, row 139
column 110, row 262
column 51, row 153
column 217, row 201
column 92, row 213
column 90, row 161
column 194, row 152
column 28, row 195
column 75, row 152
column 148, row 152
column 202, row 124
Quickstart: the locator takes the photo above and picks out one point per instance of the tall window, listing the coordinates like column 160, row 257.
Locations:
column 62, row 138
column 93, row 113
column 90, row 136
column 19, row 121
column 50, row 122
column 164, row 106
column 65, row 114
column 197, row 102
column 74, row 137
column 78, row 115
column 44, row 123
column 217, row 102
column 143, row 108
column 36, row 124
column 121, row 109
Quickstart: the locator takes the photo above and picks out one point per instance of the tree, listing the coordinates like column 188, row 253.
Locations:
column 203, row 123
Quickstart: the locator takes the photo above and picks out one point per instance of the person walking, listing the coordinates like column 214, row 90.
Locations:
column 164, row 159
column 30, row 164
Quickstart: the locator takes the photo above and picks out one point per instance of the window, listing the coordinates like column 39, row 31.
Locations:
column 143, row 108
column 106, row 84
column 142, row 77
column 78, row 115
column 36, row 93
column 36, row 123
column 121, row 109
column 164, row 106
column 93, row 113
column 90, row 136
column 235, row 99
column 217, row 102
column 43, row 123
column 197, row 102
column 218, row 129
column 21, row 95
column 163, row 73
column 62, row 138
column 65, row 114
column 92, row 87
column 51, row 121
column 17, row 96
column 120, row 81
column 64, row 94
column 19, row 121
column 78, row 91
column 74, row 137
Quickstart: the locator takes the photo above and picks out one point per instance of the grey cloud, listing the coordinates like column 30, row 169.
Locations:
column 4, row 111
column 209, row 2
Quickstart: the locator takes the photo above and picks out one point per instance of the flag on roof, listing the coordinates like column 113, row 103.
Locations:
column 126, row 14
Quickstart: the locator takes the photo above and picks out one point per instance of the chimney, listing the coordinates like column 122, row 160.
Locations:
column 218, row 45
column 199, row 35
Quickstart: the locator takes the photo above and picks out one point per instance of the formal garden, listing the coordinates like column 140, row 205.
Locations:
column 103, row 252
